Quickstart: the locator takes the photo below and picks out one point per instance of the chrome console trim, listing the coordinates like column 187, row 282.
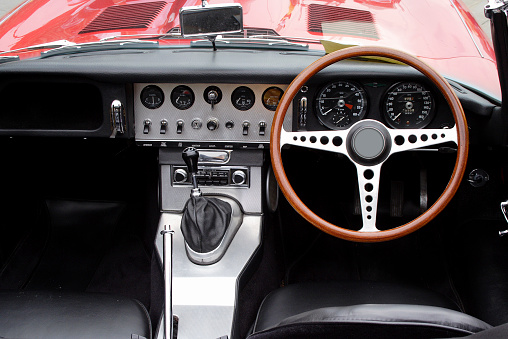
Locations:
column 204, row 296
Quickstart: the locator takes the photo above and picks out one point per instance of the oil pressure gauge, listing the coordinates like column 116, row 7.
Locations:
column 408, row 105
column 182, row 97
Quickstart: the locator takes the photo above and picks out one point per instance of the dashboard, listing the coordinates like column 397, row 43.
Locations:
column 177, row 98
column 214, row 115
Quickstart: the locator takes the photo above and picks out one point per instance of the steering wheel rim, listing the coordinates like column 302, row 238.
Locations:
column 378, row 235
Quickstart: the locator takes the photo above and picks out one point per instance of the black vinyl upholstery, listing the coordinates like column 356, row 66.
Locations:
column 71, row 315
column 360, row 310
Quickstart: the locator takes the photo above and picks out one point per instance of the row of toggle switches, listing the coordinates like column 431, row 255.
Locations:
column 212, row 124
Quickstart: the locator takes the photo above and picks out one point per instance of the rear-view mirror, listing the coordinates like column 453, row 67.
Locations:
column 211, row 20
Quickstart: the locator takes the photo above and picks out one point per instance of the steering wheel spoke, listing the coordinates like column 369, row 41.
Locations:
column 368, row 186
column 331, row 141
column 413, row 139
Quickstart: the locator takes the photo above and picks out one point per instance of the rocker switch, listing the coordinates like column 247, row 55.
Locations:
column 179, row 126
column 246, row 126
column 164, row 126
column 262, row 128
column 146, row 126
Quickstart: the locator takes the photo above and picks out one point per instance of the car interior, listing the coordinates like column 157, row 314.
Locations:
column 150, row 193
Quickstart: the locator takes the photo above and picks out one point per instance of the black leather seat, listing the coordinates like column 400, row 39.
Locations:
column 70, row 315
column 360, row 310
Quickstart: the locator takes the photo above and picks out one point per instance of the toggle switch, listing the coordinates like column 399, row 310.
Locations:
column 179, row 127
column 146, row 126
column 246, row 126
column 262, row 128
column 164, row 126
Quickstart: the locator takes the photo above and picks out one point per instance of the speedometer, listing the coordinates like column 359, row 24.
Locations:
column 341, row 104
column 408, row 105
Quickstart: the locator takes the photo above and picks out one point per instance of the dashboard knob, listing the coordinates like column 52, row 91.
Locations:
column 239, row 177
column 212, row 124
column 180, row 175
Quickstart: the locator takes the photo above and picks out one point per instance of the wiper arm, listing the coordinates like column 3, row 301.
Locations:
column 143, row 35
column 99, row 46
column 46, row 45
column 252, row 42
column 4, row 59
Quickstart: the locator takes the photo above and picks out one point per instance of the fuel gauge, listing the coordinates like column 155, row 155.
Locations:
column 182, row 97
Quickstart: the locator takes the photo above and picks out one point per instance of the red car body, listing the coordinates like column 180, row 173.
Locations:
column 443, row 33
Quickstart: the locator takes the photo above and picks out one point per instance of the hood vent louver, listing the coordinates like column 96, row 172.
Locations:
column 125, row 17
column 340, row 20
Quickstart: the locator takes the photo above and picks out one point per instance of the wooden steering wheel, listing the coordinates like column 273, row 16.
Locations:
column 368, row 143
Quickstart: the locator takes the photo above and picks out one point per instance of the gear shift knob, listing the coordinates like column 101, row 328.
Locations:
column 191, row 155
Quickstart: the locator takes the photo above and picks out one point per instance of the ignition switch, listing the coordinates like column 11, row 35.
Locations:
column 478, row 178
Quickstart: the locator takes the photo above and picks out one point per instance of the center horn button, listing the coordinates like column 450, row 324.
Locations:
column 368, row 142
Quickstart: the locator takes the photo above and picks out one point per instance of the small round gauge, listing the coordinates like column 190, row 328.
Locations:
column 408, row 105
column 243, row 98
column 152, row 97
column 341, row 104
column 182, row 97
column 271, row 98
column 212, row 94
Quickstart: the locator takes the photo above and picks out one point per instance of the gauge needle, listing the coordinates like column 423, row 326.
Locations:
column 325, row 113
column 398, row 115
column 349, row 106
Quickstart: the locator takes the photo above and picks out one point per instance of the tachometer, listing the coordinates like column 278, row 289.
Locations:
column 408, row 105
column 341, row 104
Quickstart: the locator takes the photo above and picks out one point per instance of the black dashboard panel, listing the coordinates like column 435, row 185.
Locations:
column 113, row 74
column 50, row 106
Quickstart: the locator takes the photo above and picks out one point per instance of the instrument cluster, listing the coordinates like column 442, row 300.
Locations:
column 205, row 114
column 401, row 105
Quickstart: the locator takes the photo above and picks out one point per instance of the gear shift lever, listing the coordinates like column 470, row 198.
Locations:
column 204, row 219
column 191, row 155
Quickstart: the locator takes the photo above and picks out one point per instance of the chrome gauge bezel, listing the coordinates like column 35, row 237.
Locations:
column 354, row 115
column 414, row 122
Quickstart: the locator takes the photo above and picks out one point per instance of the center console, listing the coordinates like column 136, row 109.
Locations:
column 229, row 125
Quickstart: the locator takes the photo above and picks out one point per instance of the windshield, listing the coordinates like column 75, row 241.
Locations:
column 451, row 35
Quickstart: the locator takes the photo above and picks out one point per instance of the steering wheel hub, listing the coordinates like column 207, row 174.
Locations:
column 368, row 143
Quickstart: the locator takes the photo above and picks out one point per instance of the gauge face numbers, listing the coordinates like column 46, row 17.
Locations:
column 341, row 104
column 182, row 97
column 408, row 105
column 271, row 98
column 152, row 97
column 243, row 98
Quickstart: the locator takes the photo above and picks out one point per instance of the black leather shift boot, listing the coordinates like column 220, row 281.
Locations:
column 204, row 223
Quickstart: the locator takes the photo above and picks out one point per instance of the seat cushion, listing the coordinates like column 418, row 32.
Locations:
column 70, row 315
column 298, row 298
column 360, row 310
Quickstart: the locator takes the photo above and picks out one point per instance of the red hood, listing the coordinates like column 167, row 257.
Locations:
column 441, row 32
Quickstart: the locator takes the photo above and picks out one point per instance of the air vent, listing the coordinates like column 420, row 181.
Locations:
column 125, row 17
column 340, row 20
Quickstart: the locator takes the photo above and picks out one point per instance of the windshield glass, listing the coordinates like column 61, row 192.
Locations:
column 451, row 35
